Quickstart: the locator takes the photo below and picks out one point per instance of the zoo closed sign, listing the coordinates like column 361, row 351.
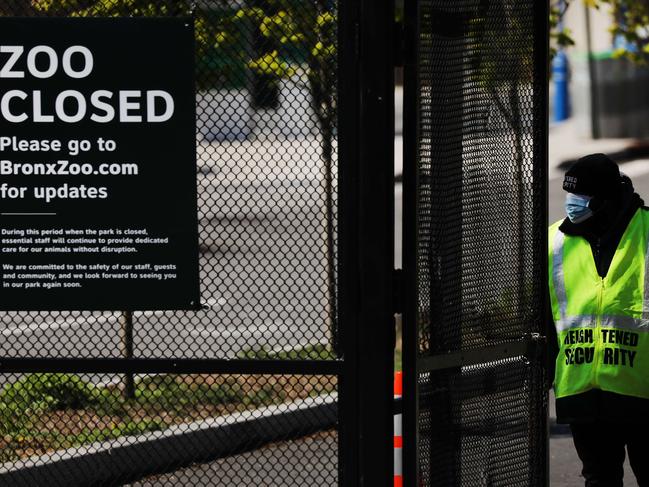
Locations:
column 97, row 164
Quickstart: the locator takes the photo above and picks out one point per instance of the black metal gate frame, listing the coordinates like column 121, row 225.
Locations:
column 532, row 346
column 366, row 249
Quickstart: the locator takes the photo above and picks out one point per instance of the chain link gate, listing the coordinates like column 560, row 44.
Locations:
column 475, row 236
column 286, row 213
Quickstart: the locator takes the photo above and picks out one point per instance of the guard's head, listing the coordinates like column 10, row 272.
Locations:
column 594, row 175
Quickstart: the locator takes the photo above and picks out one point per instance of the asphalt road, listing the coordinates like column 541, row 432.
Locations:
column 308, row 461
column 313, row 461
column 565, row 466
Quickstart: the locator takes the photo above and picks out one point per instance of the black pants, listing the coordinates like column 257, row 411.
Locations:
column 600, row 446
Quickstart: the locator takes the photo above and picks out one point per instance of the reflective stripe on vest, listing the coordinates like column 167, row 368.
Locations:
column 602, row 323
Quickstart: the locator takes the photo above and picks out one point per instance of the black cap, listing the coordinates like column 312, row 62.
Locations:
column 593, row 175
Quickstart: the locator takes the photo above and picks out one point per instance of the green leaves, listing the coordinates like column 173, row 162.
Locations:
column 630, row 24
column 48, row 392
column 294, row 29
column 560, row 38
column 631, row 27
column 320, row 50
column 271, row 64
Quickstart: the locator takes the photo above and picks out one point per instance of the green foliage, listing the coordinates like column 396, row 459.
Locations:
column 630, row 22
column 309, row 352
column 36, row 411
column 300, row 35
column 48, row 392
column 270, row 64
column 295, row 30
column 559, row 38
column 113, row 8
column 292, row 23
column 168, row 393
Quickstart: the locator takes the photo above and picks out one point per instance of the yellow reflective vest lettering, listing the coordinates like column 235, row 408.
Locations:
column 602, row 323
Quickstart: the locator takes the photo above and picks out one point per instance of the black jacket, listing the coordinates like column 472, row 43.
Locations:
column 603, row 231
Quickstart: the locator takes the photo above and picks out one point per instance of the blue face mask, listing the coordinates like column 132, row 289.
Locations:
column 577, row 207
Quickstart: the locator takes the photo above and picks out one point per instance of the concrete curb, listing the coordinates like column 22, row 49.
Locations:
column 127, row 459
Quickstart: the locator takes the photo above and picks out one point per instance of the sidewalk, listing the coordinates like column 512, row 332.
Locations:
column 566, row 143
column 565, row 466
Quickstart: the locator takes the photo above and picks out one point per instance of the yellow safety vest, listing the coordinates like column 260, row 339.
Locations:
column 602, row 323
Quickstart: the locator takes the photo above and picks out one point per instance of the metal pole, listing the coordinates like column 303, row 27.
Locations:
column 375, row 237
column 540, row 175
column 592, row 74
column 348, row 123
column 126, row 328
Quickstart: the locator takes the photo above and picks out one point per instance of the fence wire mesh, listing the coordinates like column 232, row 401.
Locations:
column 81, row 430
column 474, row 425
column 479, row 199
column 266, row 118
column 480, row 235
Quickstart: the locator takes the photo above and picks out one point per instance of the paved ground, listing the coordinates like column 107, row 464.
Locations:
column 565, row 466
column 311, row 461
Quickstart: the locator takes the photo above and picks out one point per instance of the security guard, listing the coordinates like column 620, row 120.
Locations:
column 599, row 295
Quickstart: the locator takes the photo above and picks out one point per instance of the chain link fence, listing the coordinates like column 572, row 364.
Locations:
column 266, row 118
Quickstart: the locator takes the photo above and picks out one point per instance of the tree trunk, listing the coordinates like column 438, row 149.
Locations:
column 322, row 100
column 264, row 89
